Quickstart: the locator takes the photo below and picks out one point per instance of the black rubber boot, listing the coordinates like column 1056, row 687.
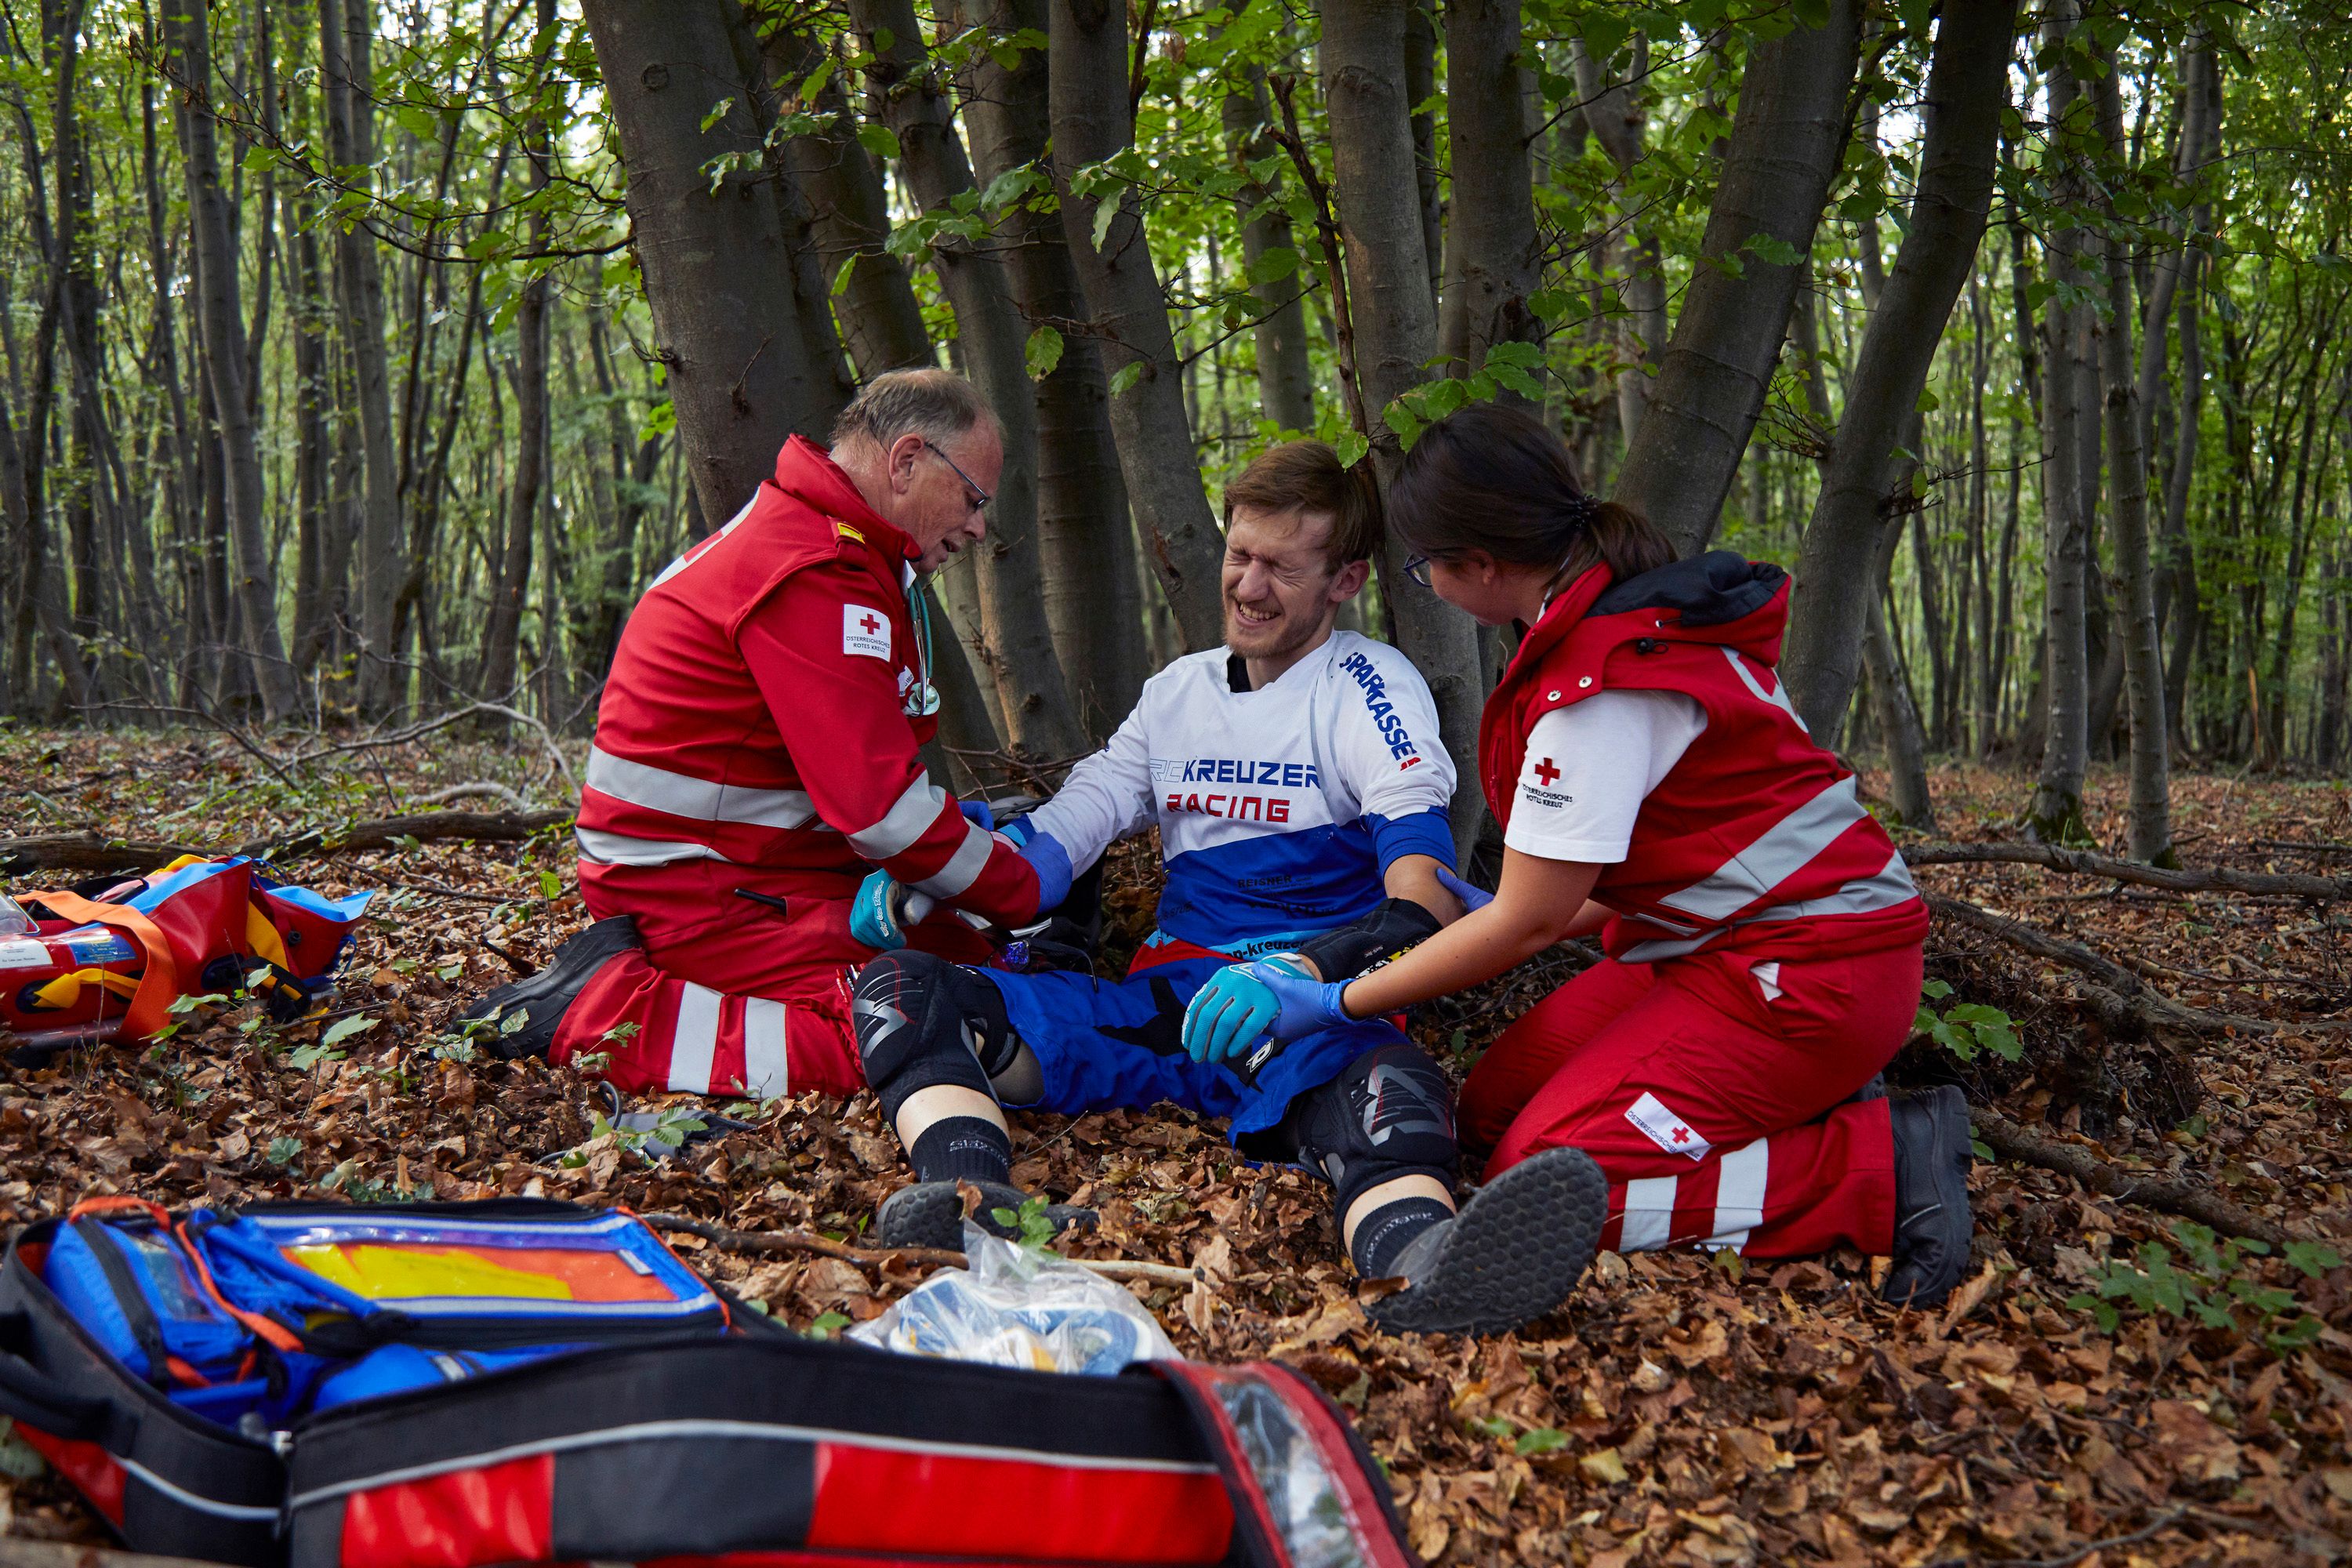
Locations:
column 543, row 998
column 930, row 1214
column 1513, row 1254
column 1932, row 1223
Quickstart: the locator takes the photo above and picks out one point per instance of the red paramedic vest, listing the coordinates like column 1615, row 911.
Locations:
column 1754, row 839
column 764, row 709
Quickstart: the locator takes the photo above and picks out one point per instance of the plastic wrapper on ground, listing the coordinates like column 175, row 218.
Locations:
column 1012, row 1306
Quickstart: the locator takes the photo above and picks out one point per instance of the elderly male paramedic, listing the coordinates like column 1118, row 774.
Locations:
column 756, row 762
column 1300, row 793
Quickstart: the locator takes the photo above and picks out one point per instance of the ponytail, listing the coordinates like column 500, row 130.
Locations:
column 1497, row 479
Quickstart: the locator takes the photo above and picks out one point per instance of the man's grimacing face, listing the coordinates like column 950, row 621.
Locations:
column 1279, row 587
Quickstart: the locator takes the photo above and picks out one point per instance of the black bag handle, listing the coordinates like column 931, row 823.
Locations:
column 38, row 1400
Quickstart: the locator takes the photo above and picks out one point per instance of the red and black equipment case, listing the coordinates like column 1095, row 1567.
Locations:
column 757, row 1449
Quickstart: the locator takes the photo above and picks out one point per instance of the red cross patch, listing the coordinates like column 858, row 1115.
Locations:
column 864, row 632
column 1663, row 1127
column 1546, row 772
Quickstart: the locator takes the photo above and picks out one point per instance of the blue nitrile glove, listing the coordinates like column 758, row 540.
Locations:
column 880, row 914
column 1052, row 863
column 1272, row 997
column 1473, row 898
column 977, row 810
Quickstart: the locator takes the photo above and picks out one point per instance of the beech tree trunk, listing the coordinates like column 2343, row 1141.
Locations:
column 1892, row 704
column 220, row 319
column 2134, row 626
column 1286, row 380
column 1493, row 229
column 1088, row 70
column 527, row 479
column 2056, row 811
column 1834, row 596
column 347, row 87
column 1613, row 111
column 912, row 102
column 849, row 212
column 1085, row 541
column 717, row 265
column 1395, row 328
column 1787, row 141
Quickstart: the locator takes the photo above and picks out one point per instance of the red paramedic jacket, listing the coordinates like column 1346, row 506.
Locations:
column 765, row 707
column 1753, row 840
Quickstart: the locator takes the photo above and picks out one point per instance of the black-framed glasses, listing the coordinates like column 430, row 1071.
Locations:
column 1417, row 568
column 980, row 497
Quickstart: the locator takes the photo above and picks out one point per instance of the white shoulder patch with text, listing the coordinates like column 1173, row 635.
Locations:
column 1664, row 1128
column 865, row 631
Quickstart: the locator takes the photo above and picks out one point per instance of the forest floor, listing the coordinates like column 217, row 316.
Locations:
column 1681, row 1408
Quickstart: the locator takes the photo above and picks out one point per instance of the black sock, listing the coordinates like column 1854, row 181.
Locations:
column 970, row 1148
column 1383, row 1233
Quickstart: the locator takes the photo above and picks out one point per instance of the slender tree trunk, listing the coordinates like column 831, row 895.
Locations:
column 220, row 315
column 1966, row 93
column 912, row 102
column 1493, row 230
column 2133, row 627
column 1615, row 111
column 1420, row 88
column 2056, row 812
column 716, row 262
column 1286, row 380
column 881, row 323
column 347, row 84
column 527, row 480
column 1786, row 143
column 1395, row 334
column 1085, row 541
column 1890, row 691
column 1088, row 70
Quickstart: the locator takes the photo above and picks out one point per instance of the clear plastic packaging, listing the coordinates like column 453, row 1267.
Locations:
column 13, row 921
column 1016, row 1308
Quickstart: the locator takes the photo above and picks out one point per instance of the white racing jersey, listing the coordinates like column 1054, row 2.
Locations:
column 1278, row 810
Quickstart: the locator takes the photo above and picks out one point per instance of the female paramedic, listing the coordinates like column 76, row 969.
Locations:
column 1762, row 935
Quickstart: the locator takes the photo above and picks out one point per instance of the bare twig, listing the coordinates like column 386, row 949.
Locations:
column 2191, row 1199
column 478, row 786
column 1327, row 230
column 2081, row 863
column 441, row 721
column 92, row 851
column 2162, row 1521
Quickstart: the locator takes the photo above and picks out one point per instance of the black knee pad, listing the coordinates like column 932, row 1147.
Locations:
column 923, row 1021
column 1389, row 1113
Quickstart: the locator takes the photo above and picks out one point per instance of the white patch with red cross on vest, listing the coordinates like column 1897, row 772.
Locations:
column 1664, row 1128
column 865, row 631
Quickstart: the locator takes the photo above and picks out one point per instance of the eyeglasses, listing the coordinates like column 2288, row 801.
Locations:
column 1417, row 568
column 981, row 498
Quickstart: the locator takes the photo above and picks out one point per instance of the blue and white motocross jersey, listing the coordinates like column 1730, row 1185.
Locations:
column 1278, row 810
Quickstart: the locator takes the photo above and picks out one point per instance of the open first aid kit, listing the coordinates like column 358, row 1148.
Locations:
column 523, row 1381
column 105, row 961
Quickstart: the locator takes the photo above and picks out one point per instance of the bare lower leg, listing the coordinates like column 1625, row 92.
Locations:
column 929, row 1106
column 1390, row 1192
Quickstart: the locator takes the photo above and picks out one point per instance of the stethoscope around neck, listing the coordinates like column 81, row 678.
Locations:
column 926, row 692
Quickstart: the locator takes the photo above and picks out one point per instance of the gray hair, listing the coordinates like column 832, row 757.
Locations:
column 937, row 404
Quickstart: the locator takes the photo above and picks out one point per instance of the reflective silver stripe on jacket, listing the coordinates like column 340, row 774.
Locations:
column 1786, row 847
column 1777, row 697
column 1889, row 888
column 620, row 849
column 963, row 867
column 682, row 794
column 905, row 822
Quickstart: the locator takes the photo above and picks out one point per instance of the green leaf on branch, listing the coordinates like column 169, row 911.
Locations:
column 718, row 111
column 878, row 140
column 1773, row 251
column 1277, row 263
column 346, row 1028
column 1123, row 380
column 1043, row 353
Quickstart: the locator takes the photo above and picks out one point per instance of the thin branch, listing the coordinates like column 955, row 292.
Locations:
column 809, row 1241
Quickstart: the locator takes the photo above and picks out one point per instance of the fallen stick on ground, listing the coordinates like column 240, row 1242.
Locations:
column 2122, row 999
column 2192, row 1200
column 804, row 1241
column 2083, row 863
column 92, row 851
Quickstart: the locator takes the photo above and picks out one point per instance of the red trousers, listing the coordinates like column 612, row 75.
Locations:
column 1710, row 1103
column 731, row 997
